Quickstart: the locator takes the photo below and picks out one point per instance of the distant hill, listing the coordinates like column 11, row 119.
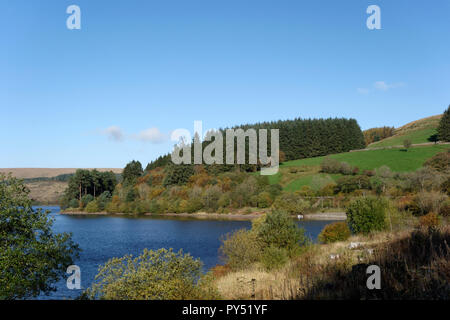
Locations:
column 417, row 131
column 30, row 173
column 42, row 190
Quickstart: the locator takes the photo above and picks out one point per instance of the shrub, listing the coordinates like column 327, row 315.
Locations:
column 445, row 209
column 407, row 144
column 369, row 173
column 291, row 203
column 430, row 220
column 439, row 162
column 91, row 207
column 154, row 275
column 425, row 202
column 264, row 200
column 74, row 203
column 193, row 205
column 112, row 207
column 279, row 230
column 445, row 186
column 293, row 169
column 338, row 231
column 211, row 197
column 224, row 200
column 240, row 249
column 330, row 165
column 86, row 199
column 349, row 184
column 367, row 214
column 132, row 195
column 103, row 200
column 328, row 190
column 274, row 190
column 384, row 172
column 345, row 168
column 274, row 257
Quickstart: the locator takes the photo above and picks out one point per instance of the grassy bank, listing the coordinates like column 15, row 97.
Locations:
column 414, row 264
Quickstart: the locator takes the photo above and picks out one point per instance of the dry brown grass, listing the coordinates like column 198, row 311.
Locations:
column 46, row 192
column 306, row 276
column 29, row 173
column 428, row 122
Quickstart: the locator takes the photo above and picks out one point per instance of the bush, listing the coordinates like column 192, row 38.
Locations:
column 211, row 197
column 103, row 200
column 86, row 199
column 440, row 162
column 425, row 202
column 74, row 203
column 330, row 165
column 274, row 258
column 338, row 231
column 279, row 230
column 349, row 184
column 445, row 209
column 154, row 275
column 445, row 186
column 291, row 203
column 367, row 214
column 345, row 168
column 430, row 220
column 132, row 195
column 240, row 249
column 91, row 207
column 264, row 200
column 407, row 144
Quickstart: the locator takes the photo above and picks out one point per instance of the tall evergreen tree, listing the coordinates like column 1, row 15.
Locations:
column 444, row 126
column 131, row 172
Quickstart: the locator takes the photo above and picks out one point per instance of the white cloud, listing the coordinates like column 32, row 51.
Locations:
column 383, row 86
column 363, row 90
column 114, row 133
column 152, row 135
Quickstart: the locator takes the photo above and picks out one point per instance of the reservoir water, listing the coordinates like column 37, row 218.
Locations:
column 104, row 237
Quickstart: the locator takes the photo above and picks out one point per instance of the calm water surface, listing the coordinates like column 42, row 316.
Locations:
column 104, row 237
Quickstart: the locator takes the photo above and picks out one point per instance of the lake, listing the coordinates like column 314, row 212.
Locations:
column 105, row 237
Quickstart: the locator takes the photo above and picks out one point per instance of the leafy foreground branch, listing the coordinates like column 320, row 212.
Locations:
column 32, row 257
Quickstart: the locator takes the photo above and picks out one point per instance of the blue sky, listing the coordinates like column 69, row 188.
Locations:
column 112, row 91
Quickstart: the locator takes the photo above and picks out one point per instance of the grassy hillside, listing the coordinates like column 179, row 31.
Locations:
column 417, row 131
column 46, row 192
column 30, row 173
column 396, row 159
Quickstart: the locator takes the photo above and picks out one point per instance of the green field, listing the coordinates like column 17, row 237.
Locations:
column 396, row 159
column 416, row 136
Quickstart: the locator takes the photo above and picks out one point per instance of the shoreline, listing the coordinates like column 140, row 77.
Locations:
column 215, row 216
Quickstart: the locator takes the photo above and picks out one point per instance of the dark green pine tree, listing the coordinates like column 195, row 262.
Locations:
column 443, row 130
